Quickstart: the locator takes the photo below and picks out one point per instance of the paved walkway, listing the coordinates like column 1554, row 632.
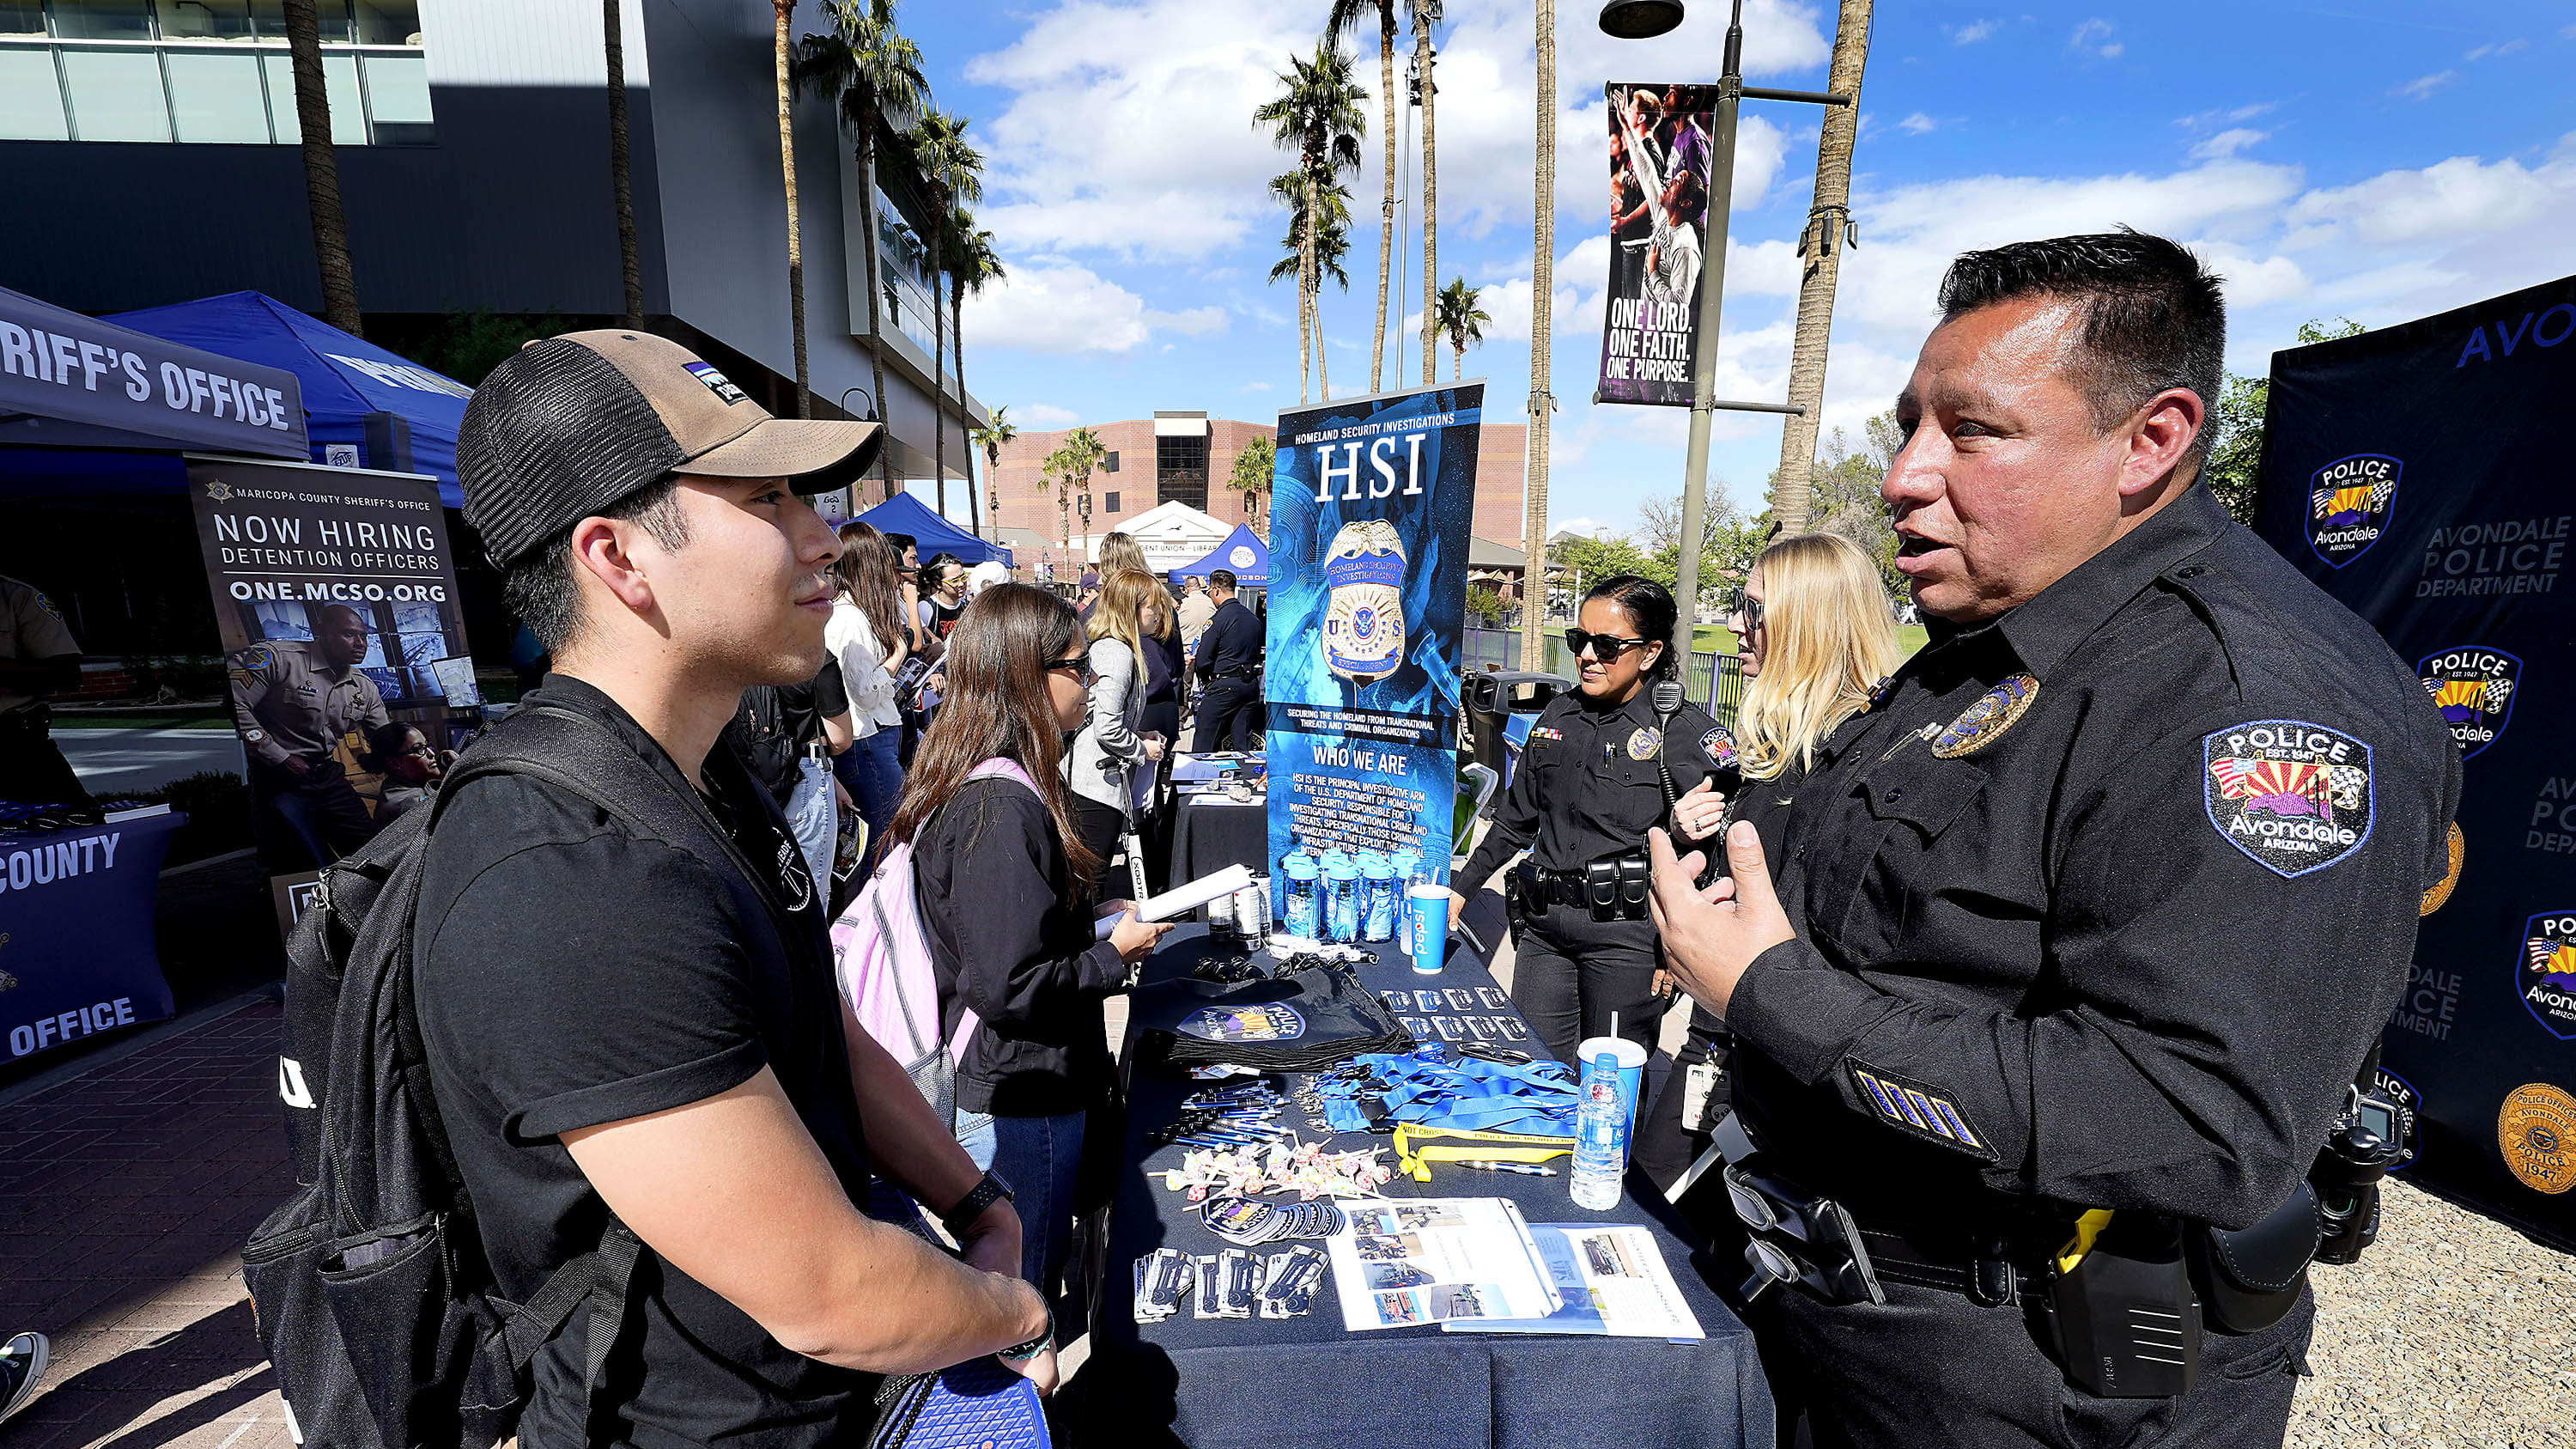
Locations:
column 125, row 1197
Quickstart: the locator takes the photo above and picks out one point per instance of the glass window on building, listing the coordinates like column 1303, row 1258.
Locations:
column 116, row 95
column 31, row 97
column 339, row 82
column 22, row 20
column 398, row 99
column 102, row 19
column 216, row 97
column 388, row 22
column 210, row 20
column 1181, row 470
column 1110, row 500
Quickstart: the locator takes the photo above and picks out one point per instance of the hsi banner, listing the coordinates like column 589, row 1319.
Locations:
column 1370, row 505
column 1659, row 170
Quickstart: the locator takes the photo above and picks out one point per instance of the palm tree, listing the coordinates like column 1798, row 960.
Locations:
column 321, row 167
column 786, row 10
column 1317, row 115
column 976, row 267
column 996, row 434
column 1347, row 15
column 953, row 172
column 1461, row 318
column 873, row 69
column 621, row 169
column 1251, row 478
column 1426, row 13
column 1828, row 232
column 1072, row 461
column 1332, row 245
column 1542, row 401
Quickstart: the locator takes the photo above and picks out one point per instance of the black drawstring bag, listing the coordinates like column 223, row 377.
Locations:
column 1302, row 1022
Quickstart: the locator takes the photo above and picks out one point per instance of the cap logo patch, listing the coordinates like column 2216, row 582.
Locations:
column 2294, row 796
column 716, row 382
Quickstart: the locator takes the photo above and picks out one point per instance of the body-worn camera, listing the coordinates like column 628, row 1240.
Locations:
column 2366, row 1141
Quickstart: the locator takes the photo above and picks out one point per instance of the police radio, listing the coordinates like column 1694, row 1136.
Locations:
column 2366, row 1141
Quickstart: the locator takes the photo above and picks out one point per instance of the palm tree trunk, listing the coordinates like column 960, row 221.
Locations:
column 795, row 240
column 1542, row 402
column 1457, row 359
column 938, row 366
column 1305, row 297
column 1828, row 223
column 321, row 168
column 621, row 167
column 1430, row 209
column 876, row 287
column 957, row 329
column 1386, row 209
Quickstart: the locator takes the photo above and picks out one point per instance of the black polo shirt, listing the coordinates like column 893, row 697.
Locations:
column 2104, row 901
column 1590, row 783
column 570, row 974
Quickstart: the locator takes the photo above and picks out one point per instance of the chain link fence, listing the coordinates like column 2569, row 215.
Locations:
column 1711, row 680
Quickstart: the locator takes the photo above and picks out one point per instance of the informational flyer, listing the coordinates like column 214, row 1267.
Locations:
column 1612, row 1280
column 344, row 645
column 1434, row 1260
column 1371, row 500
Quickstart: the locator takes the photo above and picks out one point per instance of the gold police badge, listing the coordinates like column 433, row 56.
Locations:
column 2536, row 1129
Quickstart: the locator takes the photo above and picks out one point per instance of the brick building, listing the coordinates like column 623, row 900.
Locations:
column 1187, row 457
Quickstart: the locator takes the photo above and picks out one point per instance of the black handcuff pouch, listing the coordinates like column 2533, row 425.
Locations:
column 1635, row 879
column 2250, row 1278
column 1601, row 889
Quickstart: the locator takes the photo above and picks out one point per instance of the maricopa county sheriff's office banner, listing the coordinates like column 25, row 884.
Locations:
column 1369, row 507
column 2418, row 475
column 344, row 646
column 1659, row 161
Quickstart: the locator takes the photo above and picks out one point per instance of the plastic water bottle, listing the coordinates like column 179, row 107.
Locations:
column 1407, row 867
column 1600, row 1137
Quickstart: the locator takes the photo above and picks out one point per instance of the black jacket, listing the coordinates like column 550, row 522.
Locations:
column 1591, row 782
column 2114, row 892
column 991, row 873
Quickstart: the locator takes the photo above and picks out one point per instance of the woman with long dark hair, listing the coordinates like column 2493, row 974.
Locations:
column 866, row 634
column 1007, row 897
column 1603, row 764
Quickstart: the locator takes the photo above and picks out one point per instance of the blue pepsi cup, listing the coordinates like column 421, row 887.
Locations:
column 1428, row 941
column 1631, row 1060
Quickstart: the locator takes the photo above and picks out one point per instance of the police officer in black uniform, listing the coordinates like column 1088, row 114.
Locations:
column 1601, row 766
column 2085, row 927
column 1228, row 663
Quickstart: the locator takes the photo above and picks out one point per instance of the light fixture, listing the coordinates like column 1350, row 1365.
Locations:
column 1639, row 19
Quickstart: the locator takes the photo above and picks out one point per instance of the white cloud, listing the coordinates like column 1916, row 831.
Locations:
column 2462, row 198
column 2226, row 144
column 2504, row 48
column 1918, row 124
column 1972, row 33
column 1254, row 387
column 2423, row 87
column 1589, row 527
column 2224, row 115
column 1045, row 416
column 2093, row 39
column 1057, row 306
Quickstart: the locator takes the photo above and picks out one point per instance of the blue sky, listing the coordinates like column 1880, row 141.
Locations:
column 2366, row 159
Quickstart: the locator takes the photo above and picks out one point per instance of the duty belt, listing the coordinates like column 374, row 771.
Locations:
column 1612, row 890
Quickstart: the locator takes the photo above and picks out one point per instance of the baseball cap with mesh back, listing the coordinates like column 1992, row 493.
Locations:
column 574, row 424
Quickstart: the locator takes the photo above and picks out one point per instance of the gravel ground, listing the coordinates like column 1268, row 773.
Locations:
column 2454, row 1332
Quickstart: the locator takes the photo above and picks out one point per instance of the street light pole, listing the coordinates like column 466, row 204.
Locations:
column 1712, row 301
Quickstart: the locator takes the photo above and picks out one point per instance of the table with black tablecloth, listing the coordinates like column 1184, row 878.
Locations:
column 1291, row 1383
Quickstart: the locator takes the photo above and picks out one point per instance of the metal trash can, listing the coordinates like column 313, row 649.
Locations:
column 1498, row 701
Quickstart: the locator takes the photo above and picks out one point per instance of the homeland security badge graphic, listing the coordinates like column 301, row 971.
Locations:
column 2348, row 504
column 2545, row 972
column 2294, row 796
column 2473, row 686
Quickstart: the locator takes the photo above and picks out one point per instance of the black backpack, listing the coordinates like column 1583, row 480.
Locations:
column 370, row 1287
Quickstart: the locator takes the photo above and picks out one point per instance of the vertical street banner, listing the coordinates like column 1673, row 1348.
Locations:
column 1370, row 500
column 344, row 645
column 1660, row 138
column 2416, row 473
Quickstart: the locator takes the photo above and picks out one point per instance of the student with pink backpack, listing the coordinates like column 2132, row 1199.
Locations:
column 984, row 904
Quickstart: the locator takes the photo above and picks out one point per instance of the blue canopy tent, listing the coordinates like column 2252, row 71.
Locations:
column 1242, row 551
column 345, row 378
column 904, row 513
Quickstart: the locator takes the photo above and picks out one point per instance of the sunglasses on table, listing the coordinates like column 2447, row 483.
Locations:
column 1604, row 647
column 1079, row 667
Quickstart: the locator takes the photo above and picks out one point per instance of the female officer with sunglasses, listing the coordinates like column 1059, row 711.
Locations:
column 1601, row 766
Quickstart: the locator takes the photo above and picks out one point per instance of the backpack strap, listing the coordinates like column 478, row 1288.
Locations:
column 602, row 1277
column 993, row 767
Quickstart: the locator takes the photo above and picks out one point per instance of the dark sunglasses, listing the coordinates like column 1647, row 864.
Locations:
column 1604, row 647
column 1079, row 667
column 1740, row 604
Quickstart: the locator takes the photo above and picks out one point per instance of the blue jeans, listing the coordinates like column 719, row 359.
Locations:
column 1041, row 1157
column 872, row 770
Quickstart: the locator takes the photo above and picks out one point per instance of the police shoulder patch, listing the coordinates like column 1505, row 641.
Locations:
column 2294, row 796
column 1918, row 1109
column 1983, row 723
column 1719, row 746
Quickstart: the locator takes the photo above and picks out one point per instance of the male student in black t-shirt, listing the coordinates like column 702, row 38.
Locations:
column 615, row 1023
